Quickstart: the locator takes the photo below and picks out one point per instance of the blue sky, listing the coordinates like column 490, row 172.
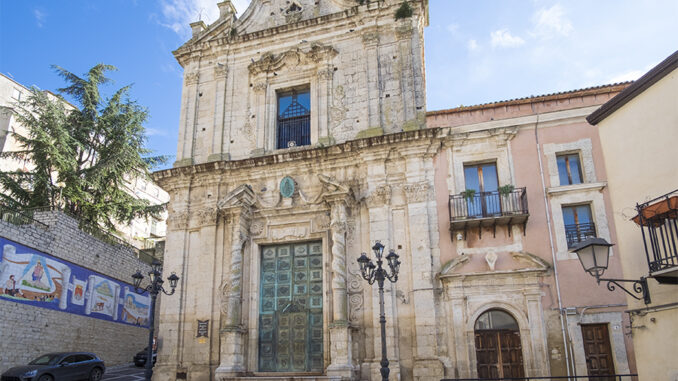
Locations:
column 476, row 51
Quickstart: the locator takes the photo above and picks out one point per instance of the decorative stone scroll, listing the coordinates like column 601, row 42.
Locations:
column 270, row 62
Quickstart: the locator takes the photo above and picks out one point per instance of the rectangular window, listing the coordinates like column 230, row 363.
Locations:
column 569, row 169
column 294, row 118
column 483, row 180
column 578, row 224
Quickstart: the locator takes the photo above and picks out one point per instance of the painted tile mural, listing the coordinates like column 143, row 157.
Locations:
column 32, row 277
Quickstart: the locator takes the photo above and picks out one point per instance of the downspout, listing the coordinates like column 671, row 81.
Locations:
column 553, row 251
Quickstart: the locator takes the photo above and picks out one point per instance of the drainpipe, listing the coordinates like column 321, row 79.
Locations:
column 553, row 251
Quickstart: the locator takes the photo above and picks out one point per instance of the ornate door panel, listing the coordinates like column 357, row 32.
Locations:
column 290, row 308
column 499, row 354
column 597, row 349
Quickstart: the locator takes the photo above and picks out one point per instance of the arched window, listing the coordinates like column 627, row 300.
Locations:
column 498, row 349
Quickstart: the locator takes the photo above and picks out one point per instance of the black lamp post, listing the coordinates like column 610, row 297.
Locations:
column 594, row 255
column 155, row 276
column 373, row 273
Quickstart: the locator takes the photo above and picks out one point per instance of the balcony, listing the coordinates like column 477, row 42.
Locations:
column 576, row 233
column 658, row 225
column 488, row 209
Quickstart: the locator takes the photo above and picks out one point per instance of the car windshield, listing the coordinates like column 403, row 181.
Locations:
column 45, row 360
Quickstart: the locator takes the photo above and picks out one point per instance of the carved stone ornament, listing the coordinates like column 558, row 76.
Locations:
column 207, row 216
column 270, row 62
column 404, row 30
column 224, row 295
column 220, row 70
column 178, row 220
column 416, row 192
column 259, row 87
column 370, row 38
column 257, row 228
column 321, row 222
column 491, row 259
column 325, row 74
column 191, row 78
column 379, row 197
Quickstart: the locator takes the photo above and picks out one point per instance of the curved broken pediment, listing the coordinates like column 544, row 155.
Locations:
column 270, row 62
column 505, row 263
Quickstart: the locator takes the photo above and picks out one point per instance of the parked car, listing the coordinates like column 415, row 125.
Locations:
column 65, row 366
column 140, row 357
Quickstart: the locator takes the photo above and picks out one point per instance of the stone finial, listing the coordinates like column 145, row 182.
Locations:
column 197, row 27
column 226, row 8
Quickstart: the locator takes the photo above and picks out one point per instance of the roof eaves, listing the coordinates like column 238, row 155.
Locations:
column 650, row 78
column 538, row 98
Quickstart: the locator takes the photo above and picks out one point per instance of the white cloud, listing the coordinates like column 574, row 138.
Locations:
column 452, row 28
column 40, row 17
column 503, row 38
column 155, row 132
column 551, row 22
column 473, row 45
column 178, row 14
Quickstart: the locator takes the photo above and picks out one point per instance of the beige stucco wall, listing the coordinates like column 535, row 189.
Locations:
column 639, row 144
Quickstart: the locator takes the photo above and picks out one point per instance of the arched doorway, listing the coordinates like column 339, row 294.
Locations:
column 498, row 350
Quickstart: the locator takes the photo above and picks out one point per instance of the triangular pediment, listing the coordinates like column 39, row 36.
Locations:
column 242, row 196
column 505, row 263
column 265, row 14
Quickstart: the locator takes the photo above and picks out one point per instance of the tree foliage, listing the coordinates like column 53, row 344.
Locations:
column 78, row 158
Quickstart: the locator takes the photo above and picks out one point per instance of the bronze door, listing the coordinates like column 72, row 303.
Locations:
column 597, row 349
column 290, row 308
column 499, row 353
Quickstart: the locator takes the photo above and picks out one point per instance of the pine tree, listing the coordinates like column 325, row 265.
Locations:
column 79, row 157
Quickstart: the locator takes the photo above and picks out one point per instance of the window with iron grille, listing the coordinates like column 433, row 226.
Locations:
column 294, row 119
column 578, row 224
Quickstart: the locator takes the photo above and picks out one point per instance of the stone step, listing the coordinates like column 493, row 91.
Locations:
column 284, row 378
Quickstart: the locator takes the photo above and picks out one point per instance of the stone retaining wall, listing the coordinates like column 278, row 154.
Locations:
column 27, row 331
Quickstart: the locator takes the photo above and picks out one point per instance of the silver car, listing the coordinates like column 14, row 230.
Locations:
column 65, row 366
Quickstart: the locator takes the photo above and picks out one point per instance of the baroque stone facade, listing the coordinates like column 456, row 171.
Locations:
column 265, row 238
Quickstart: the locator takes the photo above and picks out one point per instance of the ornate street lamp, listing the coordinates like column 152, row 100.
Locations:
column 372, row 273
column 154, row 288
column 594, row 255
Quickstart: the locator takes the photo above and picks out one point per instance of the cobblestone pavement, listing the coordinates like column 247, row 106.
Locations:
column 124, row 373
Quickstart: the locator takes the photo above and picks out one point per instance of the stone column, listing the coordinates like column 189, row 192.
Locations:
column 372, row 77
column 220, row 78
column 426, row 363
column 340, row 336
column 325, row 75
column 187, row 124
column 236, row 208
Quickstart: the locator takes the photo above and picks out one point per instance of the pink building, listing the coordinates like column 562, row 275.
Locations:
column 518, row 183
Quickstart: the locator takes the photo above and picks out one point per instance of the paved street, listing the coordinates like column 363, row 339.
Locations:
column 124, row 373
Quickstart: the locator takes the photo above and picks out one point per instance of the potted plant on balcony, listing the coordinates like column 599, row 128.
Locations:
column 468, row 194
column 507, row 202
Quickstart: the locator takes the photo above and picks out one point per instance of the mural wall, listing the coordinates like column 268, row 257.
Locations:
column 32, row 277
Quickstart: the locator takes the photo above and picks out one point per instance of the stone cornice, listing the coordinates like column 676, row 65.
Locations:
column 387, row 142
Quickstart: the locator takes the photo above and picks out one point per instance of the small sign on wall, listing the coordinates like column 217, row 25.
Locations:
column 203, row 331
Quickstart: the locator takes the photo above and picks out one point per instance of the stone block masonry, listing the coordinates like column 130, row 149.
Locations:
column 27, row 331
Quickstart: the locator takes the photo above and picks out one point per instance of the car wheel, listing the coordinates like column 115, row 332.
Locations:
column 46, row 377
column 95, row 374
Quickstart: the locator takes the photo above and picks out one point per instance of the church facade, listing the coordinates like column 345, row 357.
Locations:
column 303, row 140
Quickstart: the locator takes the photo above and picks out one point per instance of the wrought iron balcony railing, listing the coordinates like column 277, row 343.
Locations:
column 576, row 233
column 488, row 209
column 658, row 220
